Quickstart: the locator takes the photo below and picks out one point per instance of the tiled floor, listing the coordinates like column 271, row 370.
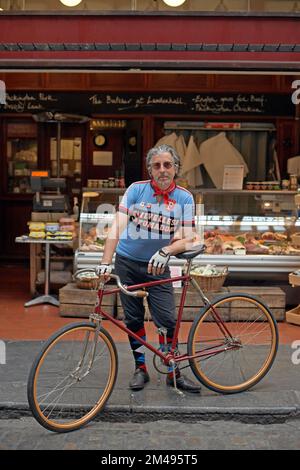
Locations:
column 39, row 322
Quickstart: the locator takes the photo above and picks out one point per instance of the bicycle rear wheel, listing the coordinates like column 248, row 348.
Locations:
column 238, row 348
column 72, row 377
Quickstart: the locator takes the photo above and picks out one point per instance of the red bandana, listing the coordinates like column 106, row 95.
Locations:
column 163, row 192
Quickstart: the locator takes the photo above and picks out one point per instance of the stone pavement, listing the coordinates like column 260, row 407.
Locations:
column 275, row 399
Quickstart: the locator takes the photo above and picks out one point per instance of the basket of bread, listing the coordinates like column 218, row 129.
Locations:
column 210, row 277
column 86, row 279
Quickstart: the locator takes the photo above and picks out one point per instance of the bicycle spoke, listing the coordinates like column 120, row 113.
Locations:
column 56, row 401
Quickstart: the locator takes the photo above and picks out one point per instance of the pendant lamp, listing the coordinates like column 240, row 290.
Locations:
column 174, row 3
column 70, row 3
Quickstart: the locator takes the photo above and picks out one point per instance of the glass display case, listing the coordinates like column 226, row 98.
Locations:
column 252, row 232
column 248, row 222
column 22, row 158
column 248, row 231
column 96, row 217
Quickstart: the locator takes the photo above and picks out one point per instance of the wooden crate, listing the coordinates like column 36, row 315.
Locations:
column 193, row 303
column 293, row 316
column 273, row 297
column 75, row 302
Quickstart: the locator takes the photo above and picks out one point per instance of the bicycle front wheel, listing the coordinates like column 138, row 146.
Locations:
column 72, row 377
column 235, row 343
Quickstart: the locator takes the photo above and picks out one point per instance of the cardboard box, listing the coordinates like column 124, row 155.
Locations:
column 293, row 316
column 47, row 216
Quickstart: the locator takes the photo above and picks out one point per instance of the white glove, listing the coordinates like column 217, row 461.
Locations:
column 158, row 262
column 103, row 269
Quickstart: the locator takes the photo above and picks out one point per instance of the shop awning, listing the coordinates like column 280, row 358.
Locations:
column 149, row 41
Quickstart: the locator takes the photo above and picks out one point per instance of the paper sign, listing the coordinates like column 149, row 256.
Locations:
column 175, row 272
column 233, row 177
column 102, row 158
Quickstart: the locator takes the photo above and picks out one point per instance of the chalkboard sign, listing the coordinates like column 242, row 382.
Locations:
column 256, row 104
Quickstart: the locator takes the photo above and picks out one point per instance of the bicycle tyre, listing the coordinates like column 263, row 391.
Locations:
column 252, row 324
column 63, row 394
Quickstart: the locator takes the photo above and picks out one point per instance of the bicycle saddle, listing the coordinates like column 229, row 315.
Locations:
column 191, row 253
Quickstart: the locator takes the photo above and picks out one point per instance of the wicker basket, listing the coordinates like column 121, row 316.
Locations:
column 91, row 284
column 84, row 281
column 210, row 283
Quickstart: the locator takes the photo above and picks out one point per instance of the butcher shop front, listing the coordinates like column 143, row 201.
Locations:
column 88, row 93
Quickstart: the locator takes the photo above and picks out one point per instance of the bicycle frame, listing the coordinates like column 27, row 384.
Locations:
column 166, row 358
column 57, row 387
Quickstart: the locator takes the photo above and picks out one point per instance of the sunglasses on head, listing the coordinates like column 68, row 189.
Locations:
column 166, row 165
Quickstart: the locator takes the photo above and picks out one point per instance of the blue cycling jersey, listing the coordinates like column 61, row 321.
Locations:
column 152, row 224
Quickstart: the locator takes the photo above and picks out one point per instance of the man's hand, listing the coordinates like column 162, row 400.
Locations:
column 103, row 271
column 158, row 262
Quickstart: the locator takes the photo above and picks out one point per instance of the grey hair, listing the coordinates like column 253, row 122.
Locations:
column 164, row 148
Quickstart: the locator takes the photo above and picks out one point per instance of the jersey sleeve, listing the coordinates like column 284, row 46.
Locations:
column 188, row 213
column 126, row 205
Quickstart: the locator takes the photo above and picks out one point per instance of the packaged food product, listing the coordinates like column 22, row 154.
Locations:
column 52, row 227
column 36, row 234
column 67, row 228
column 59, row 235
column 36, row 226
column 66, row 220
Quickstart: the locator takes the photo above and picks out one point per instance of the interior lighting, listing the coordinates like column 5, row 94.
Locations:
column 70, row 3
column 174, row 3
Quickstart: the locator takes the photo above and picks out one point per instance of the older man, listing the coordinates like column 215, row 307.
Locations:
column 155, row 221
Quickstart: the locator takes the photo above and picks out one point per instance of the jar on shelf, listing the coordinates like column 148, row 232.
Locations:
column 122, row 182
column 111, row 182
column 285, row 184
column 293, row 182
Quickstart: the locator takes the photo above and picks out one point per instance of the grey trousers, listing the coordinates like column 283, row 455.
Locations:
column 160, row 299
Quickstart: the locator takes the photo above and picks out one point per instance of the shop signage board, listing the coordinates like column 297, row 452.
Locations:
column 257, row 104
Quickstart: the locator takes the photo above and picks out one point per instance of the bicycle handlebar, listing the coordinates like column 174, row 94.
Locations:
column 137, row 293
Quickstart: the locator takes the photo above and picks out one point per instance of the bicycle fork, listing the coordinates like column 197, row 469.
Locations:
column 76, row 373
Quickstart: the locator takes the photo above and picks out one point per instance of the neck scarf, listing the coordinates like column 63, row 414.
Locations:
column 163, row 192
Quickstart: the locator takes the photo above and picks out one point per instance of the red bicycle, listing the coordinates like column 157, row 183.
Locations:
column 231, row 346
